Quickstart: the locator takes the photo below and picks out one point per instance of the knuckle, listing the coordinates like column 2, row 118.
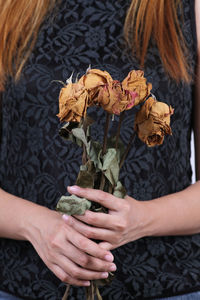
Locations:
column 75, row 273
column 120, row 227
column 53, row 242
column 90, row 217
column 64, row 278
column 90, row 234
column 83, row 260
column 83, row 244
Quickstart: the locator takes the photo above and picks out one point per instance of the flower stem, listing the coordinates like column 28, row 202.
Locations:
column 132, row 138
column 90, row 292
column 118, row 129
column 105, row 139
column 84, row 156
column 65, row 296
column 98, row 293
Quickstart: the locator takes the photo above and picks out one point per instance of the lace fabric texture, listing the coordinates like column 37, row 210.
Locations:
column 37, row 164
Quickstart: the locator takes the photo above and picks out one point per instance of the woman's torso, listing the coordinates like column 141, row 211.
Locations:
column 37, row 165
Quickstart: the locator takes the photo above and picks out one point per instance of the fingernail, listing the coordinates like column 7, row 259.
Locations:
column 104, row 275
column 109, row 257
column 86, row 283
column 74, row 188
column 113, row 268
column 65, row 217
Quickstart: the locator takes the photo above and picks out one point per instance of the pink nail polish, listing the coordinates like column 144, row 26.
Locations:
column 104, row 275
column 65, row 217
column 113, row 268
column 109, row 257
column 74, row 188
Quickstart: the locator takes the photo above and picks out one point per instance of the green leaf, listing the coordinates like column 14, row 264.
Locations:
column 119, row 190
column 95, row 149
column 86, row 175
column 80, row 134
column 74, row 132
column 109, row 164
column 73, row 205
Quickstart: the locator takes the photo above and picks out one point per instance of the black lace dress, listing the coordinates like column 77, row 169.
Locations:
column 36, row 164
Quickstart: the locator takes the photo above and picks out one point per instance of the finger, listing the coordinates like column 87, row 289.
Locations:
column 64, row 277
column 88, row 231
column 100, row 220
column 78, row 273
column 84, row 260
column 105, row 199
column 63, row 247
column 107, row 246
column 86, row 245
column 101, row 224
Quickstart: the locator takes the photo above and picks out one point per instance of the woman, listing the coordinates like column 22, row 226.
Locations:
column 160, row 243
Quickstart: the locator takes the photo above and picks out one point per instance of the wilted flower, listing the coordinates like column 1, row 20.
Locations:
column 93, row 80
column 137, row 87
column 112, row 98
column 73, row 102
column 152, row 122
column 97, row 87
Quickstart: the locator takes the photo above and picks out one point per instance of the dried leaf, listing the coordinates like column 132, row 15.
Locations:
column 73, row 205
column 109, row 164
column 119, row 190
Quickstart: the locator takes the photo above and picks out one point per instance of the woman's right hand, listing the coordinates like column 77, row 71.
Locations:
column 72, row 257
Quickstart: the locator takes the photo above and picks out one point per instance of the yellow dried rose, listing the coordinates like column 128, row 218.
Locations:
column 137, row 87
column 73, row 102
column 92, row 80
column 152, row 122
column 112, row 98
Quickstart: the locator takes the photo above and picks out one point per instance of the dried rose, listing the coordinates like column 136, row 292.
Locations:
column 112, row 98
column 152, row 122
column 92, row 80
column 73, row 102
column 136, row 85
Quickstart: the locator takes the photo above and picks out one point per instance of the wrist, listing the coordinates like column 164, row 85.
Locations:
column 34, row 222
column 149, row 218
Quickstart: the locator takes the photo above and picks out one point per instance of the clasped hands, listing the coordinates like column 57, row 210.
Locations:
column 122, row 224
column 67, row 244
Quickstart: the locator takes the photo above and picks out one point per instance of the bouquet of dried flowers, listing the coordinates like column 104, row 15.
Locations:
column 101, row 162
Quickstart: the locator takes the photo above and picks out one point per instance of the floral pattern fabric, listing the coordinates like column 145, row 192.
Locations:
column 36, row 164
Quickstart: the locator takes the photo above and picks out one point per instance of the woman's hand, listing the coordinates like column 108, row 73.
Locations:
column 124, row 222
column 72, row 257
column 129, row 219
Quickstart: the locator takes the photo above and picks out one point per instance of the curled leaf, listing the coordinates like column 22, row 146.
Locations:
column 119, row 190
column 73, row 205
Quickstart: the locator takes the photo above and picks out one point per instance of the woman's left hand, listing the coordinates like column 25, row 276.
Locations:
column 125, row 222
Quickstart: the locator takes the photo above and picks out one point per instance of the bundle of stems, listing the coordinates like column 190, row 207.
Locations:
column 104, row 185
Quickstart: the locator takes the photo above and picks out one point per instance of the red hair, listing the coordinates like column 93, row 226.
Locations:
column 21, row 20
